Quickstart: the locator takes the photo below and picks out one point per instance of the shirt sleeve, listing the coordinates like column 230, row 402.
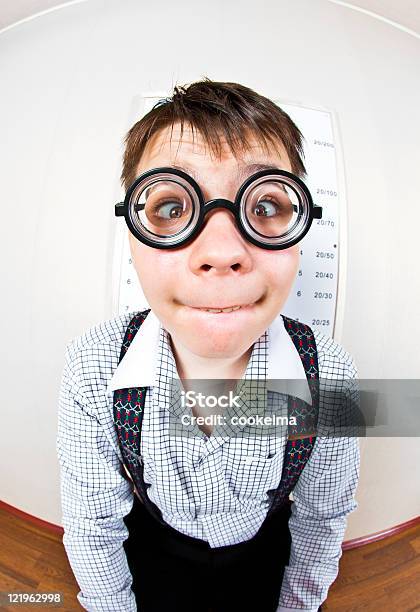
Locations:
column 322, row 499
column 95, row 498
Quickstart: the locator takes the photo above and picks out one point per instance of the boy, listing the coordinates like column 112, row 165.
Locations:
column 210, row 176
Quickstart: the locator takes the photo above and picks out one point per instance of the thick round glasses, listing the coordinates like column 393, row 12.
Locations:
column 165, row 208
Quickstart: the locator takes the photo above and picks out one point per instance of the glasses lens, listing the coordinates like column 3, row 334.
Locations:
column 163, row 207
column 272, row 208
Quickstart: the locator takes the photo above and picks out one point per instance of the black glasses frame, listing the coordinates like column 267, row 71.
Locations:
column 123, row 209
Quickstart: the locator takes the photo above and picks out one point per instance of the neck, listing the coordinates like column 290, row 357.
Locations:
column 191, row 367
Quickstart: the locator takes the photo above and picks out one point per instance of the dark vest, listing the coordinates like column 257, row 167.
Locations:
column 129, row 407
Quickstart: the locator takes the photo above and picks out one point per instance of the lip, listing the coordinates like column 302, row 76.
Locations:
column 222, row 307
column 208, row 309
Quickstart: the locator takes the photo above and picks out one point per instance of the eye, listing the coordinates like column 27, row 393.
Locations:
column 168, row 210
column 267, row 208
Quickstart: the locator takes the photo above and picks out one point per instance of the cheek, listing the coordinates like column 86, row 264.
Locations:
column 147, row 261
column 282, row 269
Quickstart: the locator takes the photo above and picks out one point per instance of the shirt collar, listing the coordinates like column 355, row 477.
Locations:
column 140, row 365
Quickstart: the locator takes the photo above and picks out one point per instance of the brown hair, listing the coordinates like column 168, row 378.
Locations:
column 216, row 109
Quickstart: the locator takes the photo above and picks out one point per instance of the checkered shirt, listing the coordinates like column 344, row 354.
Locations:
column 210, row 488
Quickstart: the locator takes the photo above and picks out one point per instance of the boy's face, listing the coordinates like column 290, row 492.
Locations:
column 219, row 268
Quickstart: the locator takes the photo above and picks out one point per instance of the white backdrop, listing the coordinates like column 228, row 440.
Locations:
column 68, row 80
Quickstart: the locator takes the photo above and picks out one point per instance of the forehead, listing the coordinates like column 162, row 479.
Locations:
column 190, row 152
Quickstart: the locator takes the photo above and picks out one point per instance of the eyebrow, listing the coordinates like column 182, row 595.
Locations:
column 244, row 171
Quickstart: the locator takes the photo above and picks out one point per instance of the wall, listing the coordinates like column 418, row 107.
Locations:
column 69, row 79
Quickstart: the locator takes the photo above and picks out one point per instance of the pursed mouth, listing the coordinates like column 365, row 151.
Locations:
column 224, row 308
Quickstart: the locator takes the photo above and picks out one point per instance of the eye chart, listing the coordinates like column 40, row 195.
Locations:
column 313, row 297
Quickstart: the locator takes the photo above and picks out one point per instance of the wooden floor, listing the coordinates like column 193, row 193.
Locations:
column 384, row 576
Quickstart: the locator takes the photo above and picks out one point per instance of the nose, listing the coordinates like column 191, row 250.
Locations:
column 220, row 248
